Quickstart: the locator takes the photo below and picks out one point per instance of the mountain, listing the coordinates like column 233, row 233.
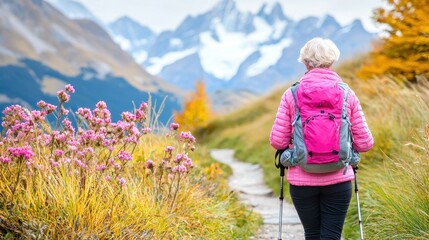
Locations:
column 75, row 10
column 42, row 48
column 132, row 37
column 30, row 81
column 234, row 50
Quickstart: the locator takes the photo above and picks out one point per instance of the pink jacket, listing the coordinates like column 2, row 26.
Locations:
column 282, row 130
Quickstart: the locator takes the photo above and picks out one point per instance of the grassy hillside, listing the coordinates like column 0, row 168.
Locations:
column 392, row 176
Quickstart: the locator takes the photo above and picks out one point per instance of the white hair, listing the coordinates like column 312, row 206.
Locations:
column 319, row 52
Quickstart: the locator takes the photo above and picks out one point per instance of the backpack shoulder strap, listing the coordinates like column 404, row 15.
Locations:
column 294, row 89
column 345, row 88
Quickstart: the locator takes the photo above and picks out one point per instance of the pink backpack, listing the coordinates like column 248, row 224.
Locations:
column 322, row 139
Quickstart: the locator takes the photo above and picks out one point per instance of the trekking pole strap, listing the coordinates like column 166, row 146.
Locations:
column 356, row 183
column 277, row 162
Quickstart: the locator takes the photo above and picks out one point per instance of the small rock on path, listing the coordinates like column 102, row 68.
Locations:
column 247, row 181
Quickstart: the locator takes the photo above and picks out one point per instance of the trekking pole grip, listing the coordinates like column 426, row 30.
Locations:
column 282, row 170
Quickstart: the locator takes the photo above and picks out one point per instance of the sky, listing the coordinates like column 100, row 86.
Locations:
column 160, row 15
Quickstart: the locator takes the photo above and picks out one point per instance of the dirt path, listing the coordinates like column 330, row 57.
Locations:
column 247, row 181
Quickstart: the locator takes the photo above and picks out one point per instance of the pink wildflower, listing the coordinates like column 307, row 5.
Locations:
column 37, row 116
column 87, row 136
column 149, row 164
column 80, row 163
column 61, row 137
column 124, row 156
column 59, row 152
column 187, row 137
column 63, row 96
column 140, row 115
column 147, row 130
column 101, row 105
column 54, row 163
column 41, row 104
column 50, row 108
column 108, row 178
column 120, row 126
column 178, row 158
column 131, row 139
column 64, row 111
column 188, row 163
column 85, row 113
column 69, row 88
column 25, row 152
column 174, row 126
column 179, row 169
column 68, row 125
column 169, row 149
column 143, row 106
column 45, row 139
column 5, row 160
column 101, row 167
column 88, row 150
column 128, row 117
column 122, row 181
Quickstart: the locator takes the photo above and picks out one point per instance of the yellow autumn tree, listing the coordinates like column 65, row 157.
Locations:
column 196, row 109
column 405, row 50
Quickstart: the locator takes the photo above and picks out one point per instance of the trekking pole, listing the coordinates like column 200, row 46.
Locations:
column 282, row 174
column 358, row 204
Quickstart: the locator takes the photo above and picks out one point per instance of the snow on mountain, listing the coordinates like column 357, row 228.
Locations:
column 230, row 17
column 133, row 37
column 222, row 56
column 270, row 54
column 159, row 63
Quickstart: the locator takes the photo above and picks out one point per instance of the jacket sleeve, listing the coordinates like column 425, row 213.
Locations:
column 282, row 128
column 362, row 137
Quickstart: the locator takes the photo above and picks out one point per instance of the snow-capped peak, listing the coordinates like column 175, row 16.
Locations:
column 355, row 26
column 327, row 21
column 272, row 12
column 225, row 7
column 130, row 28
column 230, row 17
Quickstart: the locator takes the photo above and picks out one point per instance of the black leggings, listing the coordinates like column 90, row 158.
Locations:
column 322, row 209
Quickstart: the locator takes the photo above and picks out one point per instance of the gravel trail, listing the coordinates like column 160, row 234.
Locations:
column 247, row 181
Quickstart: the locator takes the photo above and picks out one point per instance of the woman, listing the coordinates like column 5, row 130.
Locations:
column 321, row 199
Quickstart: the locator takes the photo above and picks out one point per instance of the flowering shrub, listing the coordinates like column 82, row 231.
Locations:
column 89, row 165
